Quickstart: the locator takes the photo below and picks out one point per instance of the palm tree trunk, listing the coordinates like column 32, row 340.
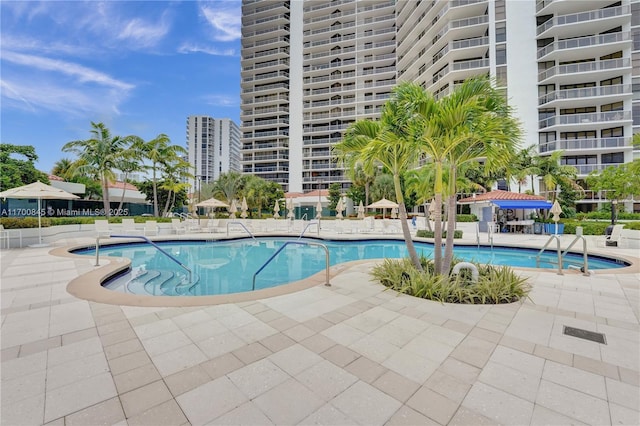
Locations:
column 166, row 205
column 437, row 233
column 451, row 227
column 105, row 196
column 402, row 211
column 155, row 193
column 124, row 189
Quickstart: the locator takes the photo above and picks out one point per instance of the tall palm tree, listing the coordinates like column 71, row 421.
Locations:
column 472, row 123
column 228, row 186
column 160, row 152
column 386, row 143
column 176, row 176
column 554, row 174
column 99, row 155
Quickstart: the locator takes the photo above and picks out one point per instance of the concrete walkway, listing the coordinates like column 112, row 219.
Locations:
column 352, row 353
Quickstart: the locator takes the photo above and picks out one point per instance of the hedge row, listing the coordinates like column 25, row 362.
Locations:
column 423, row 233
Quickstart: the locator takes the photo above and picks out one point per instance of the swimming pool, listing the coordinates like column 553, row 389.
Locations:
column 228, row 266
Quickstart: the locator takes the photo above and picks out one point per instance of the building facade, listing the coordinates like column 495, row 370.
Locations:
column 311, row 68
column 213, row 148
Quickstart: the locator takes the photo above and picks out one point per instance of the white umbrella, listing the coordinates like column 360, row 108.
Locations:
column 556, row 210
column 39, row 191
column 361, row 210
column 291, row 214
column 339, row 209
column 276, row 209
column 318, row 210
column 394, row 213
column 233, row 209
column 244, row 208
column 212, row 203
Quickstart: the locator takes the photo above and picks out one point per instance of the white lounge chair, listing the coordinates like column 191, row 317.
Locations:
column 129, row 227
column 6, row 234
column 102, row 227
column 615, row 237
column 151, row 227
column 178, row 227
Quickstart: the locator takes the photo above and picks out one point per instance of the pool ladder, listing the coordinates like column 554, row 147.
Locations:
column 561, row 255
column 303, row 243
column 241, row 224
column 139, row 237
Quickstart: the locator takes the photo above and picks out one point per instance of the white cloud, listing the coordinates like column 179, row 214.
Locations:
column 35, row 83
column 193, row 48
column 141, row 33
column 82, row 73
column 226, row 23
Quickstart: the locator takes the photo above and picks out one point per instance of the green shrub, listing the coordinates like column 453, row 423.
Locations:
column 632, row 225
column 588, row 228
column 606, row 215
column 496, row 284
column 24, row 222
column 466, row 218
column 423, row 233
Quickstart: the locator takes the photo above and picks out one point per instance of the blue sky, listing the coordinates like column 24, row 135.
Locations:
column 140, row 67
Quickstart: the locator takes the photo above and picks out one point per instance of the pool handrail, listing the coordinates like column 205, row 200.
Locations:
column 585, row 266
column 304, row 243
column 140, row 237
column 558, row 249
column 307, row 227
column 241, row 224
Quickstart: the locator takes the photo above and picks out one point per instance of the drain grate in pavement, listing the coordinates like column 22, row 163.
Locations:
column 585, row 334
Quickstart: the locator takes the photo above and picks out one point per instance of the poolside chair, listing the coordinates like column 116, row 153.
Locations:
column 5, row 234
column 102, row 227
column 151, row 227
column 178, row 227
column 129, row 227
column 614, row 239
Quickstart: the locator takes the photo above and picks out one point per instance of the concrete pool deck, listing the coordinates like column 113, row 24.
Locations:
column 352, row 353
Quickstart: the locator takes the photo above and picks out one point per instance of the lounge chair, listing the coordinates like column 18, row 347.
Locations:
column 178, row 227
column 129, row 227
column 151, row 227
column 5, row 234
column 102, row 227
column 614, row 239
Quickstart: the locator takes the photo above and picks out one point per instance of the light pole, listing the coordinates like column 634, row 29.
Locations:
column 319, row 213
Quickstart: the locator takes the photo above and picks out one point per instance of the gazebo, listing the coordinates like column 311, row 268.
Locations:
column 504, row 206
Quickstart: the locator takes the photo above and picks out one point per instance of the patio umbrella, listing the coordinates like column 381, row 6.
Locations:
column 244, row 208
column 291, row 214
column 339, row 209
column 233, row 209
column 39, row 191
column 383, row 204
column 318, row 210
column 276, row 210
column 212, row 203
column 394, row 213
column 361, row 210
column 556, row 210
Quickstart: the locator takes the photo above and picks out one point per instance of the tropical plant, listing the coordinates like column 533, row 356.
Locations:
column 63, row 169
column 19, row 171
column 620, row 182
column 335, row 193
column 228, row 186
column 383, row 187
column 473, row 122
column 98, row 156
column 386, row 143
column 176, row 177
column 161, row 153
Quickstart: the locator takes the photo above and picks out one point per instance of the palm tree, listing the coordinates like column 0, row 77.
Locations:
column 160, row 152
column 99, row 156
column 228, row 186
column 63, row 168
column 386, row 143
column 472, row 123
column 176, row 175
column 554, row 174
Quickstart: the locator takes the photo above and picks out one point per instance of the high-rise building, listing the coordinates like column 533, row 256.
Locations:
column 213, row 147
column 311, row 68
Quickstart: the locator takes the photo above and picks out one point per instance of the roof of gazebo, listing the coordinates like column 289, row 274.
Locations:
column 498, row 195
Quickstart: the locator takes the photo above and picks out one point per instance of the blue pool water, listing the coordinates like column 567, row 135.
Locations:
column 223, row 267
